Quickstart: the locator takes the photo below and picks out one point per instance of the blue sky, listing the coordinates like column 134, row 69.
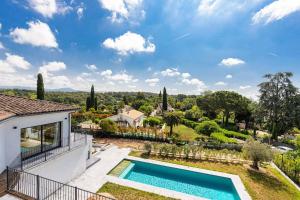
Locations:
column 132, row 45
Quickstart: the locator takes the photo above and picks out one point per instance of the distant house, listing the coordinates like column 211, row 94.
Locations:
column 159, row 109
column 129, row 117
column 35, row 135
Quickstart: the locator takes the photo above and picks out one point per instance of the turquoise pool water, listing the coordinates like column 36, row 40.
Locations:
column 193, row 183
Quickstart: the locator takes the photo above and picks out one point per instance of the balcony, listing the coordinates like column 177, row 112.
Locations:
column 34, row 156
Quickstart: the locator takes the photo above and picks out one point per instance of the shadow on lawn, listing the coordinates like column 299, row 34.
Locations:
column 266, row 180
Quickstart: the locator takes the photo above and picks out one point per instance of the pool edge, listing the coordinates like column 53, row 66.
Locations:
column 236, row 181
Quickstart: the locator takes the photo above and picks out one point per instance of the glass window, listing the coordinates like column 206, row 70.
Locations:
column 51, row 136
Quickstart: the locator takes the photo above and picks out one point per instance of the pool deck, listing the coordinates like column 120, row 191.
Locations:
column 96, row 175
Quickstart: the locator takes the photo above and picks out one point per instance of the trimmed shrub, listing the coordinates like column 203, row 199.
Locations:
column 234, row 134
column 207, row 127
column 222, row 138
column 189, row 123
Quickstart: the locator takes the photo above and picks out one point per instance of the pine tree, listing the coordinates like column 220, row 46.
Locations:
column 165, row 100
column 40, row 92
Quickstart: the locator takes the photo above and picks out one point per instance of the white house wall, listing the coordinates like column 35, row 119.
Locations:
column 2, row 149
column 10, row 133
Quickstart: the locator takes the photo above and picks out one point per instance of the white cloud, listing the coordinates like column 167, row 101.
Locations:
column 195, row 82
column 220, row 83
column 276, row 11
column 17, row 79
column 80, row 10
column 91, row 67
column 122, row 77
column 185, row 75
column 1, row 46
column 228, row 76
column 170, row 72
column 152, row 82
column 12, row 62
column 149, row 69
column 37, row 34
column 243, row 87
column 225, row 8
column 52, row 80
column 230, row 62
column 106, row 73
column 130, row 43
column 47, row 68
column 124, row 10
column 48, row 8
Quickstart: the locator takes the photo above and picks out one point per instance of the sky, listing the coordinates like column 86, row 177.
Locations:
column 188, row 46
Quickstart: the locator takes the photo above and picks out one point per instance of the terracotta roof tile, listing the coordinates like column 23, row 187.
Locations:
column 13, row 105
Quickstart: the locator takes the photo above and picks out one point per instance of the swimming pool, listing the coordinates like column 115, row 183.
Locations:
column 180, row 180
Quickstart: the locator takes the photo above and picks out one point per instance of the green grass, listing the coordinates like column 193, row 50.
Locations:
column 184, row 132
column 117, row 171
column 127, row 193
column 266, row 184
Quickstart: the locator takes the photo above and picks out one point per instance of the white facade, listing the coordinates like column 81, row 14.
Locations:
column 10, row 131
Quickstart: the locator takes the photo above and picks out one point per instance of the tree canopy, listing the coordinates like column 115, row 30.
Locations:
column 277, row 101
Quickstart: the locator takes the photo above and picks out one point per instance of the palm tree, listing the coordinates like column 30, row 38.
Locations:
column 172, row 119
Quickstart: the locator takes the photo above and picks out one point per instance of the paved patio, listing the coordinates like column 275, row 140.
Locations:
column 95, row 176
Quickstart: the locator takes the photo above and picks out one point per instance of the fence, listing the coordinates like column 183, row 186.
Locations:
column 35, row 156
column 30, row 186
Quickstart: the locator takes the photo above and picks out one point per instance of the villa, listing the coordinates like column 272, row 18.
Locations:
column 35, row 136
column 129, row 117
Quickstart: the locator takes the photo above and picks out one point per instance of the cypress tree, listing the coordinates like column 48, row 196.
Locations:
column 88, row 103
column 165, row 100
column 40, row 92
column 159, row 95
column 96, row 103
column 92, row 97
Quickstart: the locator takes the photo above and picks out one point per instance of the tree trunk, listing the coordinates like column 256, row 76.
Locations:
column 227, row 119
column 171, row 130
column 255, row 164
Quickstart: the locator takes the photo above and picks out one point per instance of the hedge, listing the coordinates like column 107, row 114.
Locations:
column 189, row 123
column 222, row 138
column 234, row 134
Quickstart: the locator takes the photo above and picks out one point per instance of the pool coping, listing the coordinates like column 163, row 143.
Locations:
column 243, row 194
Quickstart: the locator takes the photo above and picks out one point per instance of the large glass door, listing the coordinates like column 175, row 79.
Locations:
column 38, row 139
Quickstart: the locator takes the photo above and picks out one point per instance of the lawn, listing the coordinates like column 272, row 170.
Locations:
column 184, row 132
column 268, row 184
column 127, row 193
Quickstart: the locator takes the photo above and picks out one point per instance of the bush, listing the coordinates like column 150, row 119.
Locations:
column 148, row 148
column 222, row 138
column 108, row 126
column 207, row 127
